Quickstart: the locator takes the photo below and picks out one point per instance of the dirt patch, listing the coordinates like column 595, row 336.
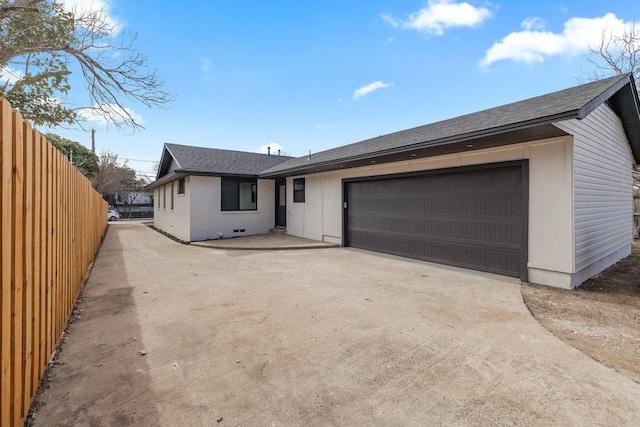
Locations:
column 164, row 233
column 601, row 318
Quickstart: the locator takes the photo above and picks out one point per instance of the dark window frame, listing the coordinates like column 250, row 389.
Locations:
column 230, row 192
column 172, row 191
column 164, row 197
column 299, row 193
column 181, row 186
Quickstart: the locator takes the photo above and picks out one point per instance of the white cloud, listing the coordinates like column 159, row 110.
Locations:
column 205, row 64
column 441, row 14
column 274, row 148
column 534, row 44
column 534, row 23
column 108, row 113
column 365, row 90
column 101, row 7
column 9, row 75
column 206, row 67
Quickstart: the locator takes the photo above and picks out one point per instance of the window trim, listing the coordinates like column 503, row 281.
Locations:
column 181, row 187
column 164, row 197
column 299, row 194
column 224, row 204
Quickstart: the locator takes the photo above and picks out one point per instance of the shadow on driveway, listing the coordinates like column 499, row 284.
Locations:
column 99, row 377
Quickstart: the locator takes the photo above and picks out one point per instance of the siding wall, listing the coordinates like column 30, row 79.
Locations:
column 602, row 191
column 207, row 221
column 174, row 221
column 196, row 215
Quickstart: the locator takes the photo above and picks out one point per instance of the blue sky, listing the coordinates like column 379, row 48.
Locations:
column 312, row 75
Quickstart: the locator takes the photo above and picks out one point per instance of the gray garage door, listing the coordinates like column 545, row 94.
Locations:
column 469, row 218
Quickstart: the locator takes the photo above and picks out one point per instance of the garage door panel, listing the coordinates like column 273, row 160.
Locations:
column 442, row 251
column 400, row 240
column 503, row 205
column 470, row 219
column 444, row 228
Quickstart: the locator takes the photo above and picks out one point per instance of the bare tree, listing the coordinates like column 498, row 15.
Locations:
column 132, row 192
column 39, row 40
column 617, row 54
column 112, row 176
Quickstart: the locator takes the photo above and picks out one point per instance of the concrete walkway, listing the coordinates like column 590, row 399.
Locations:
column 271, row 241
column 175, row 334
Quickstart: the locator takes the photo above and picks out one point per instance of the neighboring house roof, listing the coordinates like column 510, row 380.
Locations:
column 178, row 161
column 509, row 124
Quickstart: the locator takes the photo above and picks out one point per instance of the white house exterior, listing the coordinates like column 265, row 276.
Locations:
column 540, row 189
column 580, row 213
column 188, row 193
column 197, row 215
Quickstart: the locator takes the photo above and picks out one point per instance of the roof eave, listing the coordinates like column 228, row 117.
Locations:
column 171, row 176
column 182, row 173
column 456, row 139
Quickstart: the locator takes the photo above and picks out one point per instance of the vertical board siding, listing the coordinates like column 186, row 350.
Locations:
column 602, row 185
column 51, row 225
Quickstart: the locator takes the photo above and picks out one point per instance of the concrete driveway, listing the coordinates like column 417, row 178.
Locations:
column 313, row 337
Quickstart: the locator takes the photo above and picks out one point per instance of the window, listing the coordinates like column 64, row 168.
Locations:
column 298, row 190
column 181, row 186
column 164, row 197
column 239, row 194
column 171, row 195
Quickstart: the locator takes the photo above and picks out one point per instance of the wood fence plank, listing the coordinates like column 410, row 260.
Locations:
column 43, row 254
column 37, row 256
column 27, row 254
column 55, row 236
column 27, row 144
column 50, row 253
column 6, row 239
column 17, row 273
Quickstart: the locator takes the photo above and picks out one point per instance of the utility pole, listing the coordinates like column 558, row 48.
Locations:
column 93, row 140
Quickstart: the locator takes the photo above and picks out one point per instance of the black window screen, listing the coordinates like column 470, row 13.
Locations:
column 238, row 194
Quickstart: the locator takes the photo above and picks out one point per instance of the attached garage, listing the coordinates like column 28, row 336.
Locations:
column 474, row 217
column 538, row 189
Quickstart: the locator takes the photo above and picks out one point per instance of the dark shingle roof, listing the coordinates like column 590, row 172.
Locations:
column 212, row 160
column 189, row 160
column 566, row 104
column 520, row 121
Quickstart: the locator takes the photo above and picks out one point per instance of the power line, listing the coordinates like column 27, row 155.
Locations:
column 138, row 160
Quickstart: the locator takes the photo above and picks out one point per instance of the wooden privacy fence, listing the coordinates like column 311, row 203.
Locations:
column 52, row 222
